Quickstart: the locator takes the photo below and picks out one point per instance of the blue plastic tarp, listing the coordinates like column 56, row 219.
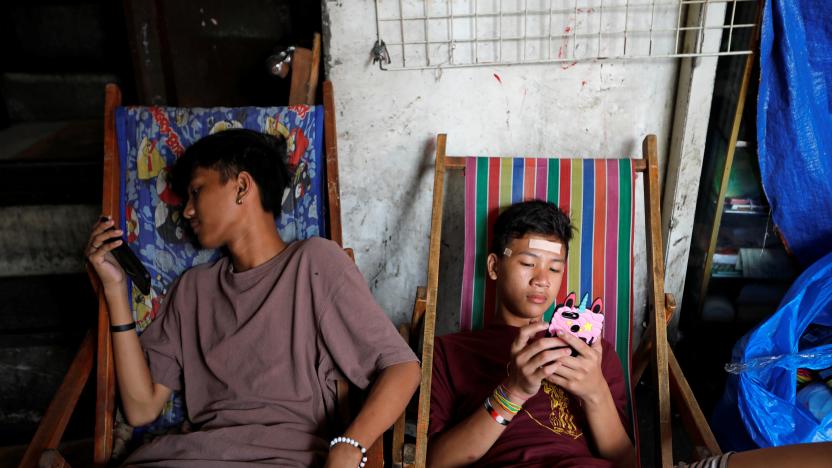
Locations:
column 794, row 124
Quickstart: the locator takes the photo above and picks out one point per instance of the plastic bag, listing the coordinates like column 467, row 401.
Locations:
column 764, row 365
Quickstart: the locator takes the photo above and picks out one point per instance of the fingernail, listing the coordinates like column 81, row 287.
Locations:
column 560, row 332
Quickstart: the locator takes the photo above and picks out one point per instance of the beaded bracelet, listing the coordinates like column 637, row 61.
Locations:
column 494, row 414
column 354, row 443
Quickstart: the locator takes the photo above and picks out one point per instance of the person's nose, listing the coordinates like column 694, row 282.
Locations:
column 188, row 212
column 540, row 278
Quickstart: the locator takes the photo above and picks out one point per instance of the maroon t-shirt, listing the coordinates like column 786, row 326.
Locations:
column 551, row 429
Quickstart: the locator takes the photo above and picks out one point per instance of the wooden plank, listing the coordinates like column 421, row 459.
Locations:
column 301, row 68
column 430, row 311
column 375, row 454
column 105, row 374
column 682, row 167
column 692, row 416
column 655, row 275
column 333, row 191
column 729, row 161
column 397, row 446
column 53, row 423
column 314, row 68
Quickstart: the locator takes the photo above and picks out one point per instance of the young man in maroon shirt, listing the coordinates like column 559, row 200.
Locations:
column 508, row 395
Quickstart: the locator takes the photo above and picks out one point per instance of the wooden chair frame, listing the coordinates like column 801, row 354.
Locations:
column 667, row 375
column 97, row 344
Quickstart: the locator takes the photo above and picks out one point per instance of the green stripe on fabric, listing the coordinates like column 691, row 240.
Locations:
column 624, row 258
column 553, row 185
column 552, row 194
column 481, row 224
column 576, row 208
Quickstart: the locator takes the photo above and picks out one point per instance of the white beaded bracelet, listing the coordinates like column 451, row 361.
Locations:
column 354, row 443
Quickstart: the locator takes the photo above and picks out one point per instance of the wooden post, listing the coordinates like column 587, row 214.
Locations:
column 656, row 299
column 430, row 312
column 105, row 389
column 333, row 190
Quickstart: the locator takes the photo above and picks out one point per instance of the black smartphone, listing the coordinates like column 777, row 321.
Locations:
column 131, row 264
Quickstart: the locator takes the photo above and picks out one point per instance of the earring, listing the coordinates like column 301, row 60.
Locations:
column 239, row 201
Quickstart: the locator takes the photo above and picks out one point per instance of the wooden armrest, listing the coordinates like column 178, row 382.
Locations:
column 52, row 425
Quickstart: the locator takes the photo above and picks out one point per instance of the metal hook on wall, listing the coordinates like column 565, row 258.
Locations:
column 379, row 54
column 280, row 63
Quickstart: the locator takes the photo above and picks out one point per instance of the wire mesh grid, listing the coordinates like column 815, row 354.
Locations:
column 462, row 33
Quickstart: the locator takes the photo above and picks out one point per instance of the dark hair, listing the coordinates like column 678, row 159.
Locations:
column 233, row 151
column 535, row 217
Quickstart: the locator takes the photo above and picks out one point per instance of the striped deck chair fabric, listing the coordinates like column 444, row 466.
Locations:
column 149, row 141
column 597, row 194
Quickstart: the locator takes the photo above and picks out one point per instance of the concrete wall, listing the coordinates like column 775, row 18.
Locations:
column 387, row 122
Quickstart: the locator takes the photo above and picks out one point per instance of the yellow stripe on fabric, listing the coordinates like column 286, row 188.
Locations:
column 506, row 168
column 576, row 214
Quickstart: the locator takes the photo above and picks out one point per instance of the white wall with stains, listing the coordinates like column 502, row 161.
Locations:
column 387, row 122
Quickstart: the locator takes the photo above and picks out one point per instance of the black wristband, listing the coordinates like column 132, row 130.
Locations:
column 121, row 328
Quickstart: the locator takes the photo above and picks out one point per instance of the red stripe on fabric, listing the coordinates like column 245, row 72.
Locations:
column 611, row 260
column 529, row 179
column 565, row 190
column 599, row 227
column 493, row 211
column 470, row 242
column 542, row 178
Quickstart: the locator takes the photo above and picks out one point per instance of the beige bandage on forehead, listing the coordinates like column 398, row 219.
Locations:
column 549, row 246
column 507, row 252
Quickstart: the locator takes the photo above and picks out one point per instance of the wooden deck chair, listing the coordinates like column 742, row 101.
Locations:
column 140, row 145
column 599, row 196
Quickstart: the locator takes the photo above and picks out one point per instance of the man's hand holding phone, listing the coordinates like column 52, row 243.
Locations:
column 103, row 240
column 107, row 251
column 532, row 360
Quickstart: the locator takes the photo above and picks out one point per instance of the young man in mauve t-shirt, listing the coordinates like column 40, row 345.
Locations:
column 507, row 395
column 257, row 340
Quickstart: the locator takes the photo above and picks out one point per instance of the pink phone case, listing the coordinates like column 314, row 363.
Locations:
column 581, row 322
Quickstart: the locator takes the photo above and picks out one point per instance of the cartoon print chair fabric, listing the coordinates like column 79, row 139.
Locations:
column 598, row 195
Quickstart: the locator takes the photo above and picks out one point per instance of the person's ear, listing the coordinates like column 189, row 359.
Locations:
column 491, row 264
column 244, row 184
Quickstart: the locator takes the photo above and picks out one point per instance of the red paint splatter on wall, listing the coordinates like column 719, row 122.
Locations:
column 497, row 77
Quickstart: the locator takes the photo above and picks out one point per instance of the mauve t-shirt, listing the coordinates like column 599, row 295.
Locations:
column 550, row 431
column 257, row 354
